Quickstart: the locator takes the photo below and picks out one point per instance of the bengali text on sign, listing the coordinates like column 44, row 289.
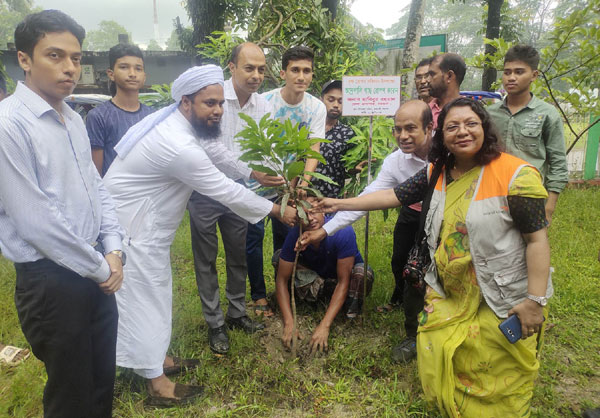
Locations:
column 370, row 95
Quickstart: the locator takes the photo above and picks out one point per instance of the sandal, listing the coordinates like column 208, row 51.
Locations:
column 13, row 355
column 180, row 365
column 263, row 310
column 387, row 308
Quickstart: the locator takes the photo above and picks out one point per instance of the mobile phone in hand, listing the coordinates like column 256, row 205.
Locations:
column 511, row 328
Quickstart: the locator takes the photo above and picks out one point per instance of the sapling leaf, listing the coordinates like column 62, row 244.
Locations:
column 314, row 191
column 305, row 204
column 302, row 214
column 263, row 169
column 295, row 169
column 251, row 122
column 284, row 202
column 321, row 177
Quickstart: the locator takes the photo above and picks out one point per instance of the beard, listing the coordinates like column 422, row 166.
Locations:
column 437, row 91
column 204, row 130
column 333, row 115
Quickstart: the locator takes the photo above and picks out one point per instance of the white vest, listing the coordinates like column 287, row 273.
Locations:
column 496, row 245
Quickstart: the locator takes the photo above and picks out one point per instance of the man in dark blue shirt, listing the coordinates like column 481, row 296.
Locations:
column 331, row 270
column 107, row 123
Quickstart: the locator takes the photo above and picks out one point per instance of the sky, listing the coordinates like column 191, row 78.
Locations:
column 137, row 15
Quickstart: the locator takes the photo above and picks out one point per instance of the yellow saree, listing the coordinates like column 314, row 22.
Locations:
column 466, row 365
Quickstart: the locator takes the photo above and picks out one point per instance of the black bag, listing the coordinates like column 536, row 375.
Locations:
column 418, row 260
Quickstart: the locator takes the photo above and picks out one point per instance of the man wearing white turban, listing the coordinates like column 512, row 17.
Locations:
column 160, row 162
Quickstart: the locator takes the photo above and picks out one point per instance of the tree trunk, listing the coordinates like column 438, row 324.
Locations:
column 492, row 31
column 411, row 44
column 207, row 16
column 332, row 6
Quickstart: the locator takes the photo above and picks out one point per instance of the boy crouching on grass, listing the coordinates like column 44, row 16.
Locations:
column 329, row 271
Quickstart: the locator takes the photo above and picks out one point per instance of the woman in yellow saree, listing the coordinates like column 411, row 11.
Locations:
column 486, row 231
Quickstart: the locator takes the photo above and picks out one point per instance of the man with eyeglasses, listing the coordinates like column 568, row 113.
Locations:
column 421, row 80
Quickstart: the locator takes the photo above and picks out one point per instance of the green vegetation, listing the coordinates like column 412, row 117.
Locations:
column 356, row 379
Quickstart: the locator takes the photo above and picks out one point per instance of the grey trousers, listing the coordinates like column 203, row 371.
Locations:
column 205, row 214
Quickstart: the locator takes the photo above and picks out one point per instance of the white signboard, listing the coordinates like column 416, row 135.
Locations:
column 370, row 95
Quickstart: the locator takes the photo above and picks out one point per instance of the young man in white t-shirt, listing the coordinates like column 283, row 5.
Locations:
column 293, row 102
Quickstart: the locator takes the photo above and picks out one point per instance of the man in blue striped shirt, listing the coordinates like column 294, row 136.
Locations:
column 55, row 216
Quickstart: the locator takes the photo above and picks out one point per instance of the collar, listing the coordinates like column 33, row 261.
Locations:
column 36, row 104
column 434, row 104
column 533, row 103
column 229, row 94
column 412, row 156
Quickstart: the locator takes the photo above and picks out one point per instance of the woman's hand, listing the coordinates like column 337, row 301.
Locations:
column 530, row 314
column 326, row 205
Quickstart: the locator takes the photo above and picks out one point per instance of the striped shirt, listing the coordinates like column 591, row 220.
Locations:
column 231, row 124
column 52, row 201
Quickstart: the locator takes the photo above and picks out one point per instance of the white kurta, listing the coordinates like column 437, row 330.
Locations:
column 151, row 188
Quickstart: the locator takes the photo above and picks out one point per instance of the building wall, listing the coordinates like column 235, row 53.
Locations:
column 162, row 67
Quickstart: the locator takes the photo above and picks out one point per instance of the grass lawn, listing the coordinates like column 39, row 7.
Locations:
column 356, row 379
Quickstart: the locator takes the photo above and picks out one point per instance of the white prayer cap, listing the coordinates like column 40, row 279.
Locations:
column 188, row 83
column 195, row 79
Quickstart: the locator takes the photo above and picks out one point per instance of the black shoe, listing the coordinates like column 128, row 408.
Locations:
column 405, row 351
column 218, row 341
column 245, row 323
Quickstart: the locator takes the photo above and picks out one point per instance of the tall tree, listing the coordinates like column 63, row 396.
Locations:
column 412, row 41
column 153, row 45
column 332, row 6
column 207, row 16
column 105, row 37
column 492, row 31
column 11, row 13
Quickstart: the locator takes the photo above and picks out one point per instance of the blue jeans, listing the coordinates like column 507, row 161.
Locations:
column 254, row 260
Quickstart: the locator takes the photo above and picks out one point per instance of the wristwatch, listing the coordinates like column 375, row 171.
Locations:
column 119, row 254
column 541, row 300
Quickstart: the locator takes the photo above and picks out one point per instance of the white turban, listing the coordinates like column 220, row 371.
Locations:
column 191, row 81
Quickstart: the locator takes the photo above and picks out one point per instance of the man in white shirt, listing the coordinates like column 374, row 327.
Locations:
column 413, row 124
column 290, row 102
column 160, row 162
column 247, row 67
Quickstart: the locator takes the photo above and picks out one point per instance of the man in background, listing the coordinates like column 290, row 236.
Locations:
column 445, row 75
column 339, row 135
column 247, row 66
column 531, row 128
column 107, row 123
column 421, row 80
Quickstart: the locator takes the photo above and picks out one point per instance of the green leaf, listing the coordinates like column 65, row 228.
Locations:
column 295, row 169
column 314, row 191
column 284, row 202
column 263, row 169
column 302, row 214
column 321, row 177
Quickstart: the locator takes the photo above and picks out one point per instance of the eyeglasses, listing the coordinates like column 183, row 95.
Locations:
column 454, row 127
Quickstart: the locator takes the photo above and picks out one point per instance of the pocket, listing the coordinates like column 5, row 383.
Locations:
column 512, row 282
column 527, row 139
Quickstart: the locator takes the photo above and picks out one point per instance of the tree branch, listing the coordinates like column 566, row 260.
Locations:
column 281, row 21
column 577, row 137
column 558, row 104
column 574, row 68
